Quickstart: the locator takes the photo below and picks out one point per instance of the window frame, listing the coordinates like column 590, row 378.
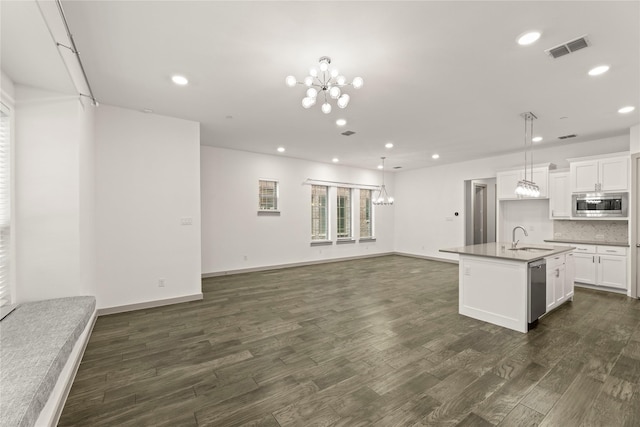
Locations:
column 371, row 226
column 276, row 197
column 347, row 214
column 316, row 237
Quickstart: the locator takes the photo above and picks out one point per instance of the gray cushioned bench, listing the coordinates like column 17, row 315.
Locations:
column 36, row 342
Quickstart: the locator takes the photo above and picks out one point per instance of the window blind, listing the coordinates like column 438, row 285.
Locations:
column 5, row 207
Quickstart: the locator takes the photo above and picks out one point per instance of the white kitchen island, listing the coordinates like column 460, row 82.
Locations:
column 493, row 281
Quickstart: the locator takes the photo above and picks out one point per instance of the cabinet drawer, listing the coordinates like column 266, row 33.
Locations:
column 554, row 261
column 585, row 249
column 612, row 250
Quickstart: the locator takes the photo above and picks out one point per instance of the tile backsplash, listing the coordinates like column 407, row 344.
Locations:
column 609, row 231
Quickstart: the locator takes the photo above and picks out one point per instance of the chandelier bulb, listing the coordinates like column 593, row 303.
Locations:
column 343, row 101
column 326, row 108
column 312, row 92
column 308, row 102
column 308, row 81
column 313, row 72
column 291, row 81
column 334, row 92
column 324, row 65
column 341, row 80
column 334, row 73
column 357, row 82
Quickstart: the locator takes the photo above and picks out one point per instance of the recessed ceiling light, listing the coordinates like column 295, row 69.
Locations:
column 435, row 156
column 625, row 110
column 536, row 139
column 335, row 160
column 380, row 166
column 389, row 145
column 600, row 69
column 528, row 38
column 147, row 110
column 179, row 80
column 280, row 149
column 341, row 122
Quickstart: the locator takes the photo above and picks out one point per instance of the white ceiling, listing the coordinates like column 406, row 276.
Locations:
column 440, row 77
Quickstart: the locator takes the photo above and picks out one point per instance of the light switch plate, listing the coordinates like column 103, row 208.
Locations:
column 186, row 221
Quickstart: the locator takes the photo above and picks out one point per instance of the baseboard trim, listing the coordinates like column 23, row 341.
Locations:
column 324, row 261
column 149, row 304
column 293, row 264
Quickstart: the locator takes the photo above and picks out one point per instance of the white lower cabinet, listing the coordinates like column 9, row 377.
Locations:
column 601, row 266
column 560, row 269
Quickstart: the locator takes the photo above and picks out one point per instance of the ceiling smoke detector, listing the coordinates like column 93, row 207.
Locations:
column 568, row 47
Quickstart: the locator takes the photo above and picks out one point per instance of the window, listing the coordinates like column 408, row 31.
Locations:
column 267, row 195
column 319, row 213
column 344, row 213
column 5, row 207
column 366, row 217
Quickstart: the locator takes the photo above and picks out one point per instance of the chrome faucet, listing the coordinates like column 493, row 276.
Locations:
column 514, row 242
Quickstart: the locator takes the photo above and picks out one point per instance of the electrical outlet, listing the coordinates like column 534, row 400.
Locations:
column 467, row 271
column 245, row 258
column 599, row 236
column 161, row 283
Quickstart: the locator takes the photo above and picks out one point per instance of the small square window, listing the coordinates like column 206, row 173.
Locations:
column 268, row 195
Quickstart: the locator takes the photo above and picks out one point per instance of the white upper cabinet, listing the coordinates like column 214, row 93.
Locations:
column 508, row 180
column 559, row 196
column 608, row 174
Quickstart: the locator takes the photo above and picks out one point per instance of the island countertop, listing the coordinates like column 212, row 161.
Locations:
column 503, row 250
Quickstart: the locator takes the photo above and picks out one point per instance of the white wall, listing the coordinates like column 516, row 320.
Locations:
column 54, row 207
column 232, row 229
column 427, row 223
column 634, row 139
column 147, row 179
column 7, row 87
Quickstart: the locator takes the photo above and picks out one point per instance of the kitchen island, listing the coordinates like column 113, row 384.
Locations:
column 494, row 281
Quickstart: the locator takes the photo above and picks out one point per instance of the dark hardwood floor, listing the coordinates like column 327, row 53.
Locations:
column 375, row 342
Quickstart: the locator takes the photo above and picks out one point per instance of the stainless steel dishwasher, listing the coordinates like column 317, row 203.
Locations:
column 537, row 290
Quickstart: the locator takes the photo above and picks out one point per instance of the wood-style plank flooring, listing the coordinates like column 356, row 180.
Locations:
column 370, row 342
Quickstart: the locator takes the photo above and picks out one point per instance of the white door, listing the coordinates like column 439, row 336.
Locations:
column 612, row 271
column 569, row 275
column 585, row 268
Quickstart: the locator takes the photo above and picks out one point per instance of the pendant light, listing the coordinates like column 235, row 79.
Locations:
column 382, row 197
column 526, row 187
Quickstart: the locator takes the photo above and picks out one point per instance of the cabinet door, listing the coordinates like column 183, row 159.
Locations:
column 551, row 288
column 569, row 275
column 507, row 183
column 585, row 268
column 559, row 195
column 541, row 178
column 559, row 284
column 614, row 174
column 612, row 271
column 584, row 176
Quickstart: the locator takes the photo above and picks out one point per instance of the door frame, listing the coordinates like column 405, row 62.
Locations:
column 634, row 288
column 474, row 204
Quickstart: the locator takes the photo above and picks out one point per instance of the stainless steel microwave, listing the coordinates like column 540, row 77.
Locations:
column 600, row 205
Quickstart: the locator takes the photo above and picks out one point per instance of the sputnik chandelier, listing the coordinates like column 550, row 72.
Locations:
column 326, row 83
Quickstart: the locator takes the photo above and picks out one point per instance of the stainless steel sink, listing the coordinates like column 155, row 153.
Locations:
column 530, row 249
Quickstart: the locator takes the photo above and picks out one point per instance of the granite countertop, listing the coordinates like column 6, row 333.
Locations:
column 502, row 250
column 588, row 242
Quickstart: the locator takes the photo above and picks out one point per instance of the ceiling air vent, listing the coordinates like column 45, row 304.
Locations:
column 573, row 135
column 397, row 167
column 568, row 47
column 348, row 133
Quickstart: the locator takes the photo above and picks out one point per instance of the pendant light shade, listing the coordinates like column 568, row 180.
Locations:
column 381, row 197
column 526, row 187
